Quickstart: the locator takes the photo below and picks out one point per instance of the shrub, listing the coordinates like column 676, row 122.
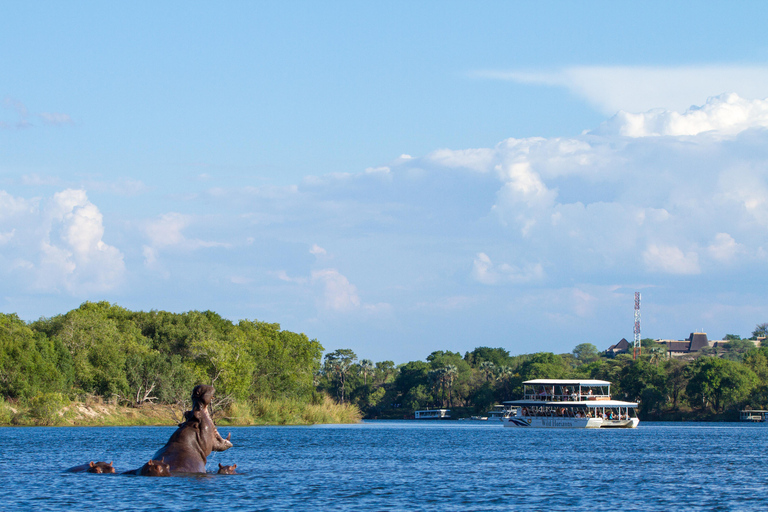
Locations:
column 45, row 407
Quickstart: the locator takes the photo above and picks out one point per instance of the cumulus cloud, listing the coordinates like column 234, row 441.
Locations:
column 724, row 248
column 671, row 260
column 726, row 114
column 58, row 243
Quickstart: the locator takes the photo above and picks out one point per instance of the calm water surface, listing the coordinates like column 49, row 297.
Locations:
column 400, row 465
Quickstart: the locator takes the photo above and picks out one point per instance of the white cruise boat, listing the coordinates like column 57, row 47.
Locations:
column 549, row 403
column 433, row 414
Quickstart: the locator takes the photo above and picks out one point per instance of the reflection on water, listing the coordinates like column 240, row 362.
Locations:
column 400, row 465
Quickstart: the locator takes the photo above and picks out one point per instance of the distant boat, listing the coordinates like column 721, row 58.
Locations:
column 499, row 411
column 549, row 403
column 753, row 416
column 433, row 414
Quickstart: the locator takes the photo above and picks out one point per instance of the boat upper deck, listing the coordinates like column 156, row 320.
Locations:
column 560, row 390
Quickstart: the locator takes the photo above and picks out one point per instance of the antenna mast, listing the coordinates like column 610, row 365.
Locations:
column 637, row 325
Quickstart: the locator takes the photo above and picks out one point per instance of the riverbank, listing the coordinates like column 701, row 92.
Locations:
column 55, row 410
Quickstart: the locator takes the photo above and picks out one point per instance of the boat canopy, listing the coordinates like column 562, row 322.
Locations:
column 582, row 404
column 562, row 382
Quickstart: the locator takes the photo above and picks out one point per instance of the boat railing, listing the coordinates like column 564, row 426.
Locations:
column 572, row 397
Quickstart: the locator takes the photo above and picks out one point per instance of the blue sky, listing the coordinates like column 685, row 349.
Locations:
column 390, row 178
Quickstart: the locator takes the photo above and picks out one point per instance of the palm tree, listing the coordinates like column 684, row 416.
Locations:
column 450, row 372
column 366, row 366
column 438, row 381
column 505, row 374
column 487, row 367
column 338, row 363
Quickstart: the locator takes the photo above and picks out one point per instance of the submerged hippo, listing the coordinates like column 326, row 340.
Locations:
column 188, row 448
column 227, row 470
column 93, row 467
column 152, row 468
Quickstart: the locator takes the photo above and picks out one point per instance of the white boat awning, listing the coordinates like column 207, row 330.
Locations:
column 562, row 382
column 578, row 403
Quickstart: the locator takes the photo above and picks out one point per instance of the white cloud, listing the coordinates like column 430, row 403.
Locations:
column 166, row 231
column 639, row 89
column 55, row 118
column 670, row 260
column 484, row 271
column 58, row 244
column 726, row 114
column 338, row 293
column 724, row 248
column 283, row 276
column 317, row 250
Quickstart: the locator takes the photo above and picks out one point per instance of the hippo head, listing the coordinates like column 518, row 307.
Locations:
column 156, row 468
column 227, row 470
column 202, row 396
column 100, row 467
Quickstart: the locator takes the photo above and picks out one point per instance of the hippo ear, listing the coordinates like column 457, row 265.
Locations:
column 151, row 462
column 229, row 435
column 220, row 466
column 92, row 464
column 110, row 464
column 234, row 466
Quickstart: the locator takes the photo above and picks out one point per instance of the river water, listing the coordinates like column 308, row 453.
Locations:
column 400, row 465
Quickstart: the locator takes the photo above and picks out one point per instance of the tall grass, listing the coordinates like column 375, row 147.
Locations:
column 287, row 411
column 54, row 410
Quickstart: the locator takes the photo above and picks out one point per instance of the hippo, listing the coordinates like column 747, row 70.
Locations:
column 227, row 470
column 152, row 468
column 189, row 446
column 93, row 467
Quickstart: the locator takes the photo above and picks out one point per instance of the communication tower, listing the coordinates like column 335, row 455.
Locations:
column 637, row 325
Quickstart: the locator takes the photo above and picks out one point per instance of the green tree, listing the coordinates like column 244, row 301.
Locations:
column 761, row 330
column 338, row 364
column 544, row 365
column 719, row 382
column 31, row 363
column 677, row 376
column 586, row 353
column 488, row 368
column 497, row 356
column 736, row 348
column 366, row 367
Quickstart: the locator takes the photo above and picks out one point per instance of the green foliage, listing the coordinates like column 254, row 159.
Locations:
column 45, row 408
column 30, row 363
column 108, row 351
column 761, row 331
column 719, row 382
column 497, row 356
column 544, row 365
column 586, row 353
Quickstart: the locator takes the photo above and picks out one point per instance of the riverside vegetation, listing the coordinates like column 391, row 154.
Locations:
column 712, row 387
column 102, row 364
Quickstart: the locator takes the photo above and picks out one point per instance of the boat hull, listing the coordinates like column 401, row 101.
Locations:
column 538, row 422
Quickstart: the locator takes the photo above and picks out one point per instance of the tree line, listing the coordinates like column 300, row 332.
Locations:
column 715, row 385
column 104, row 350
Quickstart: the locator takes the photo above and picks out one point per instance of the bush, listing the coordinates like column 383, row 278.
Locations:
column 6, row 413
column 44, row 408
